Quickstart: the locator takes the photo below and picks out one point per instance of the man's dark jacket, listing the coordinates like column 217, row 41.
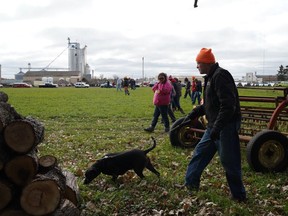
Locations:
column 221, row 99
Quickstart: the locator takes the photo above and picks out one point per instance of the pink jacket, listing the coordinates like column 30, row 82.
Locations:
column 162, row 93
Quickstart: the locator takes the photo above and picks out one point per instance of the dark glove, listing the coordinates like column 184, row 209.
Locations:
column 192, row 115
column 214, row 134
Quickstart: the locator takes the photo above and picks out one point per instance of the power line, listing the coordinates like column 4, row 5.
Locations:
column 55, row 58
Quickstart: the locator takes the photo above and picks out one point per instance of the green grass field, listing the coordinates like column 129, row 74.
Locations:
column 82, row 125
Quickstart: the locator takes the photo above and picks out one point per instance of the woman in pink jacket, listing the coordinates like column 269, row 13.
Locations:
column 161, row 100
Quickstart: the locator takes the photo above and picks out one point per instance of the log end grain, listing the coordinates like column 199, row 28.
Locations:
column 21, row 169
column 19, row 136
column 40, row 197
column 46, row 163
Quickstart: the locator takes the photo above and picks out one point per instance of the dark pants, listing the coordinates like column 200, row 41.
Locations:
column 187, row 92
column 163, row 111
column 228, row 147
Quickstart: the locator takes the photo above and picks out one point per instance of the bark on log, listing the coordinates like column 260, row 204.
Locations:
column 47, row 163
column 72, row 190
column 3, row 97
column 7, row 114
column 66, row 208
column 22, row 169
column 6, row 193
column 24, row 134
column 43, row 195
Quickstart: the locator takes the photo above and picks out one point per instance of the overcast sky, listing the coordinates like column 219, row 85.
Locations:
column 245, row 35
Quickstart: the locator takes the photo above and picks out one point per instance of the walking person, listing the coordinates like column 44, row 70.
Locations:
column 198, row 92
column 178, row 88
column 187, row 87
column 126, row 86
column 119, row 84
column 193, row 90
column 161, row 100
column 222, row 109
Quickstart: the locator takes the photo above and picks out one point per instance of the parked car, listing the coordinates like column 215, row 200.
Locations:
column 48, row 85
column 81, row 85
column 1, row 86
column 21, row 85
column 152, row 83
column 104, row 85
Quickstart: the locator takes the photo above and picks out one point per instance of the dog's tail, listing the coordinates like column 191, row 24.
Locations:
column 152, row 147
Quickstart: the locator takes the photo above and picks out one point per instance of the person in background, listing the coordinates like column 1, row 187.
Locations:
column 193, row 89
column 187, row 87
column 198, row 92
column 162, row 92
column 132, row 84
column 119, row 84
column 178, row 88
column 222, row 109
column 126, row 86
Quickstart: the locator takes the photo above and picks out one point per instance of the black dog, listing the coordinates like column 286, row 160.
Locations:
column 116, row 164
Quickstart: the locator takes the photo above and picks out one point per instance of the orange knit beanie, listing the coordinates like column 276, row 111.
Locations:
column 205, row 56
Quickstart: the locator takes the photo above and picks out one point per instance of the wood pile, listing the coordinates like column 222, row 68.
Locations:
column 31, row 185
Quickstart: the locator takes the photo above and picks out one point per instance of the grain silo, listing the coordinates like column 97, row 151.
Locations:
column 77, row 57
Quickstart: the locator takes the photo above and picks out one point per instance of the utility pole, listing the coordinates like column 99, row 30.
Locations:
column 0, row 74
column 142, row 70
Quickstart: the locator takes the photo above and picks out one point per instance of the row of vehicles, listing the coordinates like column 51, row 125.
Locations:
column 46, row 85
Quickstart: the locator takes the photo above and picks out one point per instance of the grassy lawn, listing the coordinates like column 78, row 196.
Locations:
column 82, row 125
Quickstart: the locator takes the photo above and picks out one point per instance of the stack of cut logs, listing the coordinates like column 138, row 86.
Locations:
column 31, row 185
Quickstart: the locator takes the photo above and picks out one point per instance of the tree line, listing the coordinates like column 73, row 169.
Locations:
column 282, row 74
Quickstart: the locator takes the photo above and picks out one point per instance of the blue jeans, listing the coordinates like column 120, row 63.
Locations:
column 163, row 111
column 228, row 147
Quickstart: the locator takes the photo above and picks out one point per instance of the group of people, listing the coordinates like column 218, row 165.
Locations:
column 126, row 82
column 194, row 90
column 222, row 109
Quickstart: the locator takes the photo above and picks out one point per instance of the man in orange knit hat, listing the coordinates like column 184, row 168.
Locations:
column 222, row 109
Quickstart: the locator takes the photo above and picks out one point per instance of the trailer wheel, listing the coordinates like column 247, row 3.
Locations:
column 181, row 136
column 267, row 151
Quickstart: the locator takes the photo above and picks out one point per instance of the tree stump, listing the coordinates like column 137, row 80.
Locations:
column 22, row 169
column 72, row 190
column 23, row 135
column 43, row 195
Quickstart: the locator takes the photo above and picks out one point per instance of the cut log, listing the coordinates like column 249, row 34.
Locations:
column 6, row 193
column 13, row 212
column 43, row 195
column 7, row 114
column 5, row 153
column 46, row 163
column 72, row 190
column 22, row 169
column 66, row 208
column 24, row 134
